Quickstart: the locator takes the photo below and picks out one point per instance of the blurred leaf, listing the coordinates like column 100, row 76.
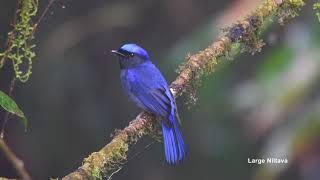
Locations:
column 306, row 137
column 316, row 7
column 275, row 63
column 10, row 105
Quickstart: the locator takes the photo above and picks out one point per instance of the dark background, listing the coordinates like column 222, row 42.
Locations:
column 266, row 105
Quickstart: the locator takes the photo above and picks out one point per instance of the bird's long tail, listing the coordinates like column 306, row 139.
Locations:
column 174, row 146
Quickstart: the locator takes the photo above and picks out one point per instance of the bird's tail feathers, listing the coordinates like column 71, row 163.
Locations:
column 175, row 150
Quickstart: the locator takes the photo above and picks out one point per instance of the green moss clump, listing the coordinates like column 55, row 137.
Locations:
column 96, row 173
column 20, row 48
column 289, row 9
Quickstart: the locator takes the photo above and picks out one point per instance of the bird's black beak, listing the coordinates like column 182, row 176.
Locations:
column 116, row 52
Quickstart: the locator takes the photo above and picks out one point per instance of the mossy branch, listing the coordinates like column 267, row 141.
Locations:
column 245, row 33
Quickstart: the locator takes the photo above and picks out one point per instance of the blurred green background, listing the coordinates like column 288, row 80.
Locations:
column 266, row 105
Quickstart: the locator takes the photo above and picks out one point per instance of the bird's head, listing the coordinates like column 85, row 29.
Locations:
column 131, row 55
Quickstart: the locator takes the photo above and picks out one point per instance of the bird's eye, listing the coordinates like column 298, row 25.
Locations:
column 131, row 54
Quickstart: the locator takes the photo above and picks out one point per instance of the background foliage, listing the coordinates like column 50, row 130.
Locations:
column 257, row 106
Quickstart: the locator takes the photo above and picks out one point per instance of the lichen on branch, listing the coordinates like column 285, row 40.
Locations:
column 112, row 156
column 20, row 43
column 245, row 33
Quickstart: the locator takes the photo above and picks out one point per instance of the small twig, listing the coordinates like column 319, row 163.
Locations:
column 16, row 163
column 140, row 152
column 7, row 115
column 43, row 14
column 116, row 171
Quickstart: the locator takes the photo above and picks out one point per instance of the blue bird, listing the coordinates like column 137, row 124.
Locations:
column 146, row 87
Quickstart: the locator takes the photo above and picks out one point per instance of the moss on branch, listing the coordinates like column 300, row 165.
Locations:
column 20, row 45
column 112, row 156
column 246, row 32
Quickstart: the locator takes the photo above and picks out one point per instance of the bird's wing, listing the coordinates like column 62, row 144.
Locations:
column 176, row 112
column 155, row 100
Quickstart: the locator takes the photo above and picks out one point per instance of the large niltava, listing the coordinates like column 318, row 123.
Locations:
column 147, row 88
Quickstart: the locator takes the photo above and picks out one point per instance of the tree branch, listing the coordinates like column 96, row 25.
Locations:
column 245, row 33
column 16, row 162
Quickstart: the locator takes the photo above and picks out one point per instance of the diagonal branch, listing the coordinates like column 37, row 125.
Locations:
column 245, row 33
column 16, row 162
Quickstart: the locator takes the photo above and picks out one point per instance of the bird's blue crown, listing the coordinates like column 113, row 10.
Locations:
column 135, row 49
